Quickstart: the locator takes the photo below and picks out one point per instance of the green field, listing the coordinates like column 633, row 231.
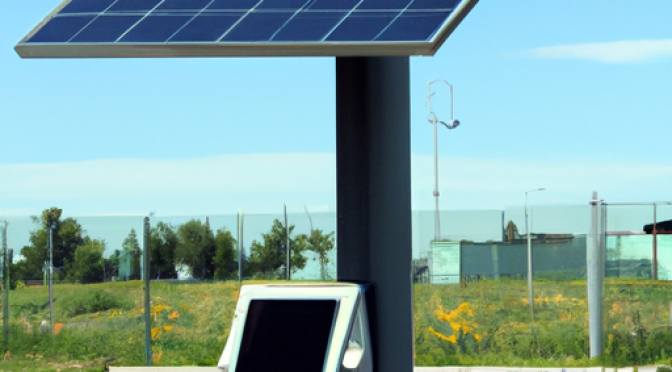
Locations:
column 478, row 323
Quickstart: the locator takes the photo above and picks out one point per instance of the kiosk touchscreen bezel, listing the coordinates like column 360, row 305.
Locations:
column 347, row 297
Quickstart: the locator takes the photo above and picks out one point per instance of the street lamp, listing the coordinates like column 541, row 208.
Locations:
column 529, row 255
column 452, row 124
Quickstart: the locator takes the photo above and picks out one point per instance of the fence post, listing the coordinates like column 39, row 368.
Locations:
column 495, row 260
column 5, row 289
column 148, row 317
column 594, row 278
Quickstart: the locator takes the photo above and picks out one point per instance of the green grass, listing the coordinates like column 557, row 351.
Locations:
column 191, row 322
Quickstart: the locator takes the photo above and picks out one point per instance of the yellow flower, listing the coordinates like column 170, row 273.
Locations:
column 168, row 327
column 174, row 315
column 155, row 333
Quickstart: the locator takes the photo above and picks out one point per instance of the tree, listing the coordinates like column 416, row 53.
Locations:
column 163, row 243
column 88, row 264
column 270, row 255
column 195, row 248
column 67, row 236
column 321, row 244
column 209, row 251
column 225, row 260
column 112, row 264
column 132, row 247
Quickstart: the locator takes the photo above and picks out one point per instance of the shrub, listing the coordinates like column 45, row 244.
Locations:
column 659, row 343
column 92, row 301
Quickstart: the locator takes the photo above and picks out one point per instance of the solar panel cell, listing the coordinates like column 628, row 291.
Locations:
column 206, row 27
column 384, row 4
column 258, row 26
column 283, row 5
column 309, row 26
column 194, row 5
column 241, row 5
column 133, row 5
column 434, row 4
column 86, row 6
column 334, row 4
column 414, row 26
column 362, row 26
column 105, row 29
column 157, row 28
column 60, row 29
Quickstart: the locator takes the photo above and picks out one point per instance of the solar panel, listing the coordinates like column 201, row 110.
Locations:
column 125, row 28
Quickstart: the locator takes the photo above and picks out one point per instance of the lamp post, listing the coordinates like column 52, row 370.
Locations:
column 529, row 256
column 452, row 124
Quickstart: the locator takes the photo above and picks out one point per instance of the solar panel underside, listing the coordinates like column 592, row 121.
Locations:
column 136, row 28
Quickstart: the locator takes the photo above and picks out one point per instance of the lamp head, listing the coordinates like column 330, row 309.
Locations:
column 452, row 125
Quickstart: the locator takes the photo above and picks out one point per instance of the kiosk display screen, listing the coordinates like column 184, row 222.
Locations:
column 286, row 335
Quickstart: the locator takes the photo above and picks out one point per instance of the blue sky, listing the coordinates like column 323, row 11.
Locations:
column 573, row 96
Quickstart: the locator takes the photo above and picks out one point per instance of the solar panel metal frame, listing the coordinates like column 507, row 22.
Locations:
column 239, row 49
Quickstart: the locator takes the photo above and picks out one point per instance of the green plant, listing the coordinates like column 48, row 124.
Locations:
column 90, row 301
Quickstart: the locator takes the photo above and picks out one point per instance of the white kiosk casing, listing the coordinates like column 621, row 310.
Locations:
column 299, row 327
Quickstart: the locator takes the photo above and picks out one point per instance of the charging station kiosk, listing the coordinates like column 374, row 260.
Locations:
column 299, row 327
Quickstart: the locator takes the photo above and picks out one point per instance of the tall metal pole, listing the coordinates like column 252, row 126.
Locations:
column 594, row 279
column 241, row 249
column 146, row 271
column 51, row 277
column 530, row 290
column 434, row 120
column 5, row 297
column 288, row 273
column 655, row 245
column 437, row 215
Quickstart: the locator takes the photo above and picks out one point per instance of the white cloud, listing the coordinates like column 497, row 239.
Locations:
column 216, row 184
column 259, row 183
column 625, row 51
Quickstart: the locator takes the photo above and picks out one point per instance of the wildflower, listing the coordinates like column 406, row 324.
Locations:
column 155, row 333
column 174, row 315
column 558, row 298
column 452, row 339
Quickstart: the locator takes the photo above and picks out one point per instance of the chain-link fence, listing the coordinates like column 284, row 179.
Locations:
column 486, row 313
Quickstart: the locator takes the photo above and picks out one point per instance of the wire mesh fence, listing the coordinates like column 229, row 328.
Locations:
column 487, row 314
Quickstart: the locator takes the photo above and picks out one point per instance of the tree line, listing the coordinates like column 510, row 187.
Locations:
column 192, row 246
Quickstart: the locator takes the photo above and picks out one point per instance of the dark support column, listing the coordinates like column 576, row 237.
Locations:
column 374, row 197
